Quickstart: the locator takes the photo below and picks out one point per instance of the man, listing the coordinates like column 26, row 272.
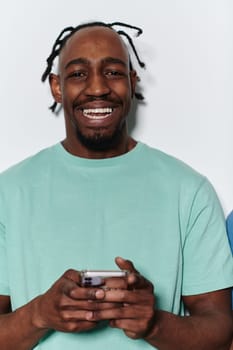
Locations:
column 101, row 194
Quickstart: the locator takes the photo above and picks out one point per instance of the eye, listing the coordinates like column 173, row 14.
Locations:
column 114, row 73
column 79, row 74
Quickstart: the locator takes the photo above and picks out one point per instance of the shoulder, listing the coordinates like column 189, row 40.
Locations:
column 170, row 166
column 178, row 178
column 27, row 170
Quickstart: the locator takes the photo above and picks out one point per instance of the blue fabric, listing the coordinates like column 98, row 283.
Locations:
column 230, row 236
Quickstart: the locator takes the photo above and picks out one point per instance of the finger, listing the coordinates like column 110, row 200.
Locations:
column 75, row 315
column 125, row 264
column 72, row 275
column 128, row 325
column 134, row 329
column 76, row 326
column 116, row 283
column 71, row 279
column 69, row 304
column 67, row 287
column 81, row 293
column 82, row 326
column 134, row 277
column 137, row 296
column 133, row 335
column 96, row 305
column 135, row 313
column 139, row 282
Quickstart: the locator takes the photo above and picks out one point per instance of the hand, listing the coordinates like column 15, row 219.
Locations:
column 64, row 306
column 136, row 312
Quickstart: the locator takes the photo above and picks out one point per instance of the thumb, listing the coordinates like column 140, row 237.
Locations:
column 135, row 279
column 124, row 264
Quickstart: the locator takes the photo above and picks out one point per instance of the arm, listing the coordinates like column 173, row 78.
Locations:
column 209, row 326
column 57, row 309
column 17, row 328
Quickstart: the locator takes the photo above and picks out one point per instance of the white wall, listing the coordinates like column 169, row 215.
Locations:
column 188, row 84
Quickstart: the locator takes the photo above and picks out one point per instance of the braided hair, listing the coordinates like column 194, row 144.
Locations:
column 67, row 32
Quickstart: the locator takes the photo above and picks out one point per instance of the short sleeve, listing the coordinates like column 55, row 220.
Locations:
column 4, row 287
column 208, row 262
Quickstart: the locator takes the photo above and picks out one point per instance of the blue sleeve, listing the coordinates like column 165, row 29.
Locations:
column 230, row 229
column 230, row 236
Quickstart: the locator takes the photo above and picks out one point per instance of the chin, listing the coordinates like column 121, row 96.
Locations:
column 100, row 141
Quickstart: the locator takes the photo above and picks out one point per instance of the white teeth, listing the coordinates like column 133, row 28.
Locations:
column 97, row 113
column 98, row 110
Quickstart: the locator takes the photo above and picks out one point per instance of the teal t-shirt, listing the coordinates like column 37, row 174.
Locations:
column 59, row 211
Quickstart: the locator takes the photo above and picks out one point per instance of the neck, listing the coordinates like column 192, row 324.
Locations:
column 78, row 149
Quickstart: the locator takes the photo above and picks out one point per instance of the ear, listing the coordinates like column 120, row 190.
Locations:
column 133, row 81
column 54, row 82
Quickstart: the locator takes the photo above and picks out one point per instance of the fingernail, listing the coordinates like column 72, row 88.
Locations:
column 99, row 294
column 120, row 258
column 89, row 315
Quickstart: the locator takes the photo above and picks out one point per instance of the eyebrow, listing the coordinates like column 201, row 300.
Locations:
column 114, row 60
column 85, row 61
column 77, row 61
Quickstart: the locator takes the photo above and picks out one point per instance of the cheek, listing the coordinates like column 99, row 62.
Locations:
column 127, row 93
column 124, row 92
column 127, row 98
column 68, row 96
column 71, row 90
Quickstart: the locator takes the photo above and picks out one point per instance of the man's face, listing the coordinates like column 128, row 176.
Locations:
column 95, row 87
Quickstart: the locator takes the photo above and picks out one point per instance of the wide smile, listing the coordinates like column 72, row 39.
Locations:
column 97, row 113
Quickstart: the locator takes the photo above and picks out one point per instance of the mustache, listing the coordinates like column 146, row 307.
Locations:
column 79, row 103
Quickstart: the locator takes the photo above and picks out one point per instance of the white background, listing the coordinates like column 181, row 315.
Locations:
column 188, row 84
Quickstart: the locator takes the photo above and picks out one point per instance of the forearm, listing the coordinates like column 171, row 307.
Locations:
column 18, row 330
column 202, row 332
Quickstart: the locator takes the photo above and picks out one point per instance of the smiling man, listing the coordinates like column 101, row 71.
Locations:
column 100, row 196
column 95, row 86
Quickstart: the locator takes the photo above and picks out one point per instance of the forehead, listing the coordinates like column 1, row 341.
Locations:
column 94, row 43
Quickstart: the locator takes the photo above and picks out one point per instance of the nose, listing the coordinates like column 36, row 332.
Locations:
column 97, row 86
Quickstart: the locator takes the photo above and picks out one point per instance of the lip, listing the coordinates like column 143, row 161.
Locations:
column 96, row 105
column 100, row 115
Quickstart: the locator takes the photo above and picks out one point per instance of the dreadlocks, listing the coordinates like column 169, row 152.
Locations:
column 67, row 32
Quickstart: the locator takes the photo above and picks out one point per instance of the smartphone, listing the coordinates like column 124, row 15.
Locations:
column 92, row 278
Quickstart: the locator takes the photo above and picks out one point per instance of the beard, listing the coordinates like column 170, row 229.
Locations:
column 98, row 140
